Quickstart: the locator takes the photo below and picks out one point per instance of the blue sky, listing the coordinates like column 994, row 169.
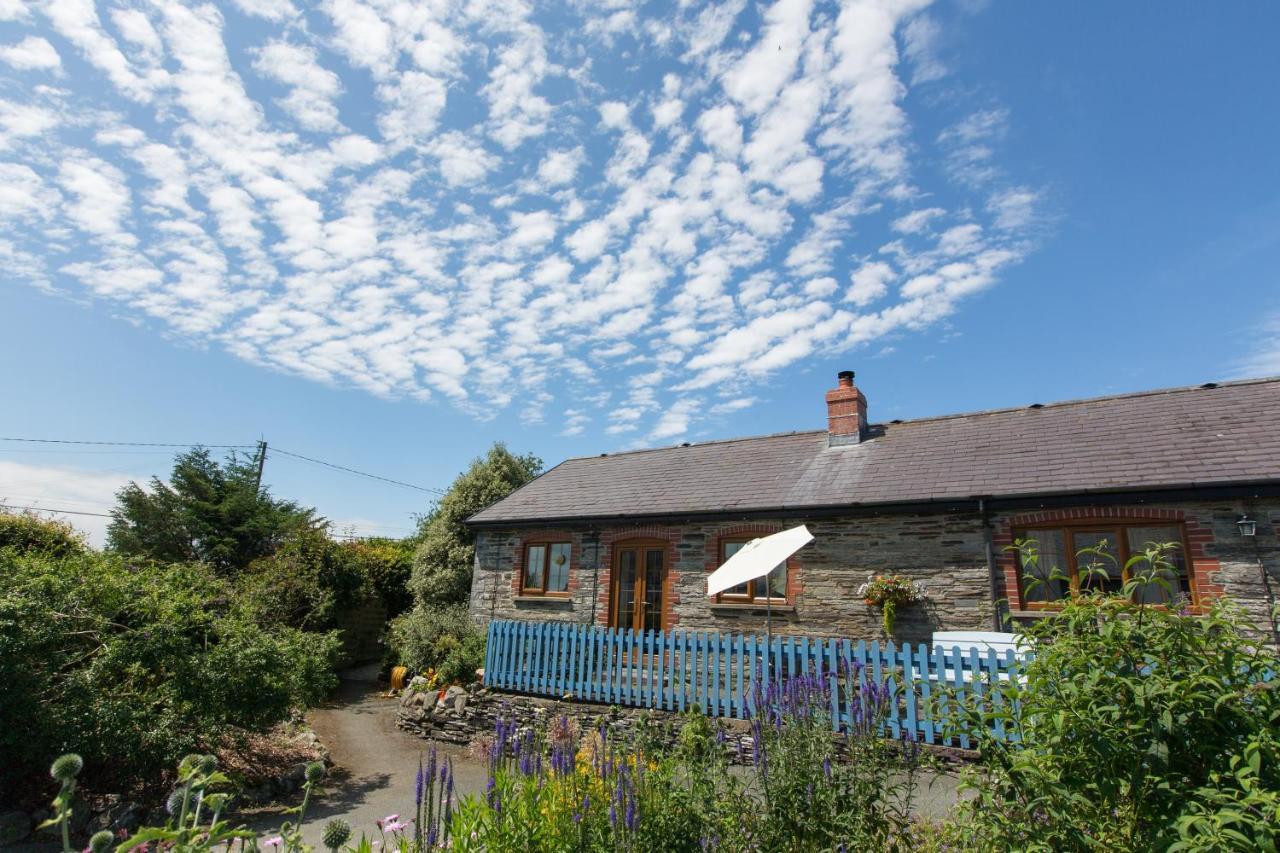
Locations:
column 387, row 233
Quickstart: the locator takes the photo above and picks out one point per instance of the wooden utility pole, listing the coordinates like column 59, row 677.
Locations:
column 262, row 460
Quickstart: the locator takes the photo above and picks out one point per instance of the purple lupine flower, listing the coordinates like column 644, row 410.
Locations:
column 613, row 815
column 419, row 783
column 826, row 769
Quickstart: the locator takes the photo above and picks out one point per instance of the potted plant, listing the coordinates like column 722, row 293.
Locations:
column 889, row 591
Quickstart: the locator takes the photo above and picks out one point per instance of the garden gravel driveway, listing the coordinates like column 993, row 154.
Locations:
column 374, row 763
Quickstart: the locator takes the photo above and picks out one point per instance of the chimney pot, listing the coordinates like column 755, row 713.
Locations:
column 846, row 412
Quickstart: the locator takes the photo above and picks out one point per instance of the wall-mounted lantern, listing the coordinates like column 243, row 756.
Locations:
column 1248, row 527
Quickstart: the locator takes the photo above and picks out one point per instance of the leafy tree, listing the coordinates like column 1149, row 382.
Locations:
column 442, row 564
column 207, row 512
column 27, row 532
column 134, row 665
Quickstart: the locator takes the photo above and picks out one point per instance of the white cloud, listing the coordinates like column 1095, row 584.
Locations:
column 922, row 35
column 32, row 52
column 1265, row 358
column 443, row 201
column 917, row 220
column 64, row 487
column 870, row 282
column 312, row 88
column 1014, row 208
column 561, row 167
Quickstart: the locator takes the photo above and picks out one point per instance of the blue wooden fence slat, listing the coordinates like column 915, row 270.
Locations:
column 718, row 672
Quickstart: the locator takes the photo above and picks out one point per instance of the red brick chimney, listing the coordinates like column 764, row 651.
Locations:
column 846, row 412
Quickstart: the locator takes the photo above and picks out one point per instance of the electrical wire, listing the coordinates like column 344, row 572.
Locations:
column 60, row 511
column 130, row 443
column 270, row 450
column 274, row 449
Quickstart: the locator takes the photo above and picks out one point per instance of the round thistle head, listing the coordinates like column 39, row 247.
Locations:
column 189, row 763
column 66, row 767
column 336, row 833
column 173, row 804
column 315, row 771
column 101, row 841
column 216, row 802
column 208, row 763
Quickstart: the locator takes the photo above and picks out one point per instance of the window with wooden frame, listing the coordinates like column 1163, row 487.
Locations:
column 546, row 568
column 770, row 588
column 1091, row 556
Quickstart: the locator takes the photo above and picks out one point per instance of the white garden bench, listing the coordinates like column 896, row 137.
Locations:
column 979, row 641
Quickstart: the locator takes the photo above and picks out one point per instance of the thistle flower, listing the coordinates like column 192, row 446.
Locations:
column 315, row 772
column 173, row 804
column 336, row 833
column 101, row 841
column 207, row 764
column 66, row 767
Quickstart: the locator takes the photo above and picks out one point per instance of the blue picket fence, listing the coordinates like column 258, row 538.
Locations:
column 677, row 670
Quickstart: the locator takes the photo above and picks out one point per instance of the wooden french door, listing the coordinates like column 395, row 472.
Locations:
column 639, row 569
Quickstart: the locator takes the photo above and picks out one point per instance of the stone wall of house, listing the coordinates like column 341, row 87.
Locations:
column 943, row 551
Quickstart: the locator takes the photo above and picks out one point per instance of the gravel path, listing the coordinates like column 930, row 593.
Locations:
column 374, row 763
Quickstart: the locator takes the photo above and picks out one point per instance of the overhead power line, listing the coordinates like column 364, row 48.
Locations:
column 257, row 447
column 357, row 473
column 131, row 443
column 60, row 511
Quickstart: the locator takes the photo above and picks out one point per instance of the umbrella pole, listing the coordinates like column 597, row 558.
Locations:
column 768, row 629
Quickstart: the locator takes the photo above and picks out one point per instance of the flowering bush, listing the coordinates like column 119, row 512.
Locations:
column 889, row 591
column 566, row 789
column 1136, row 728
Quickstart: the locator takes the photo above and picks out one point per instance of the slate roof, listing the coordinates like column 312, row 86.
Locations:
column 1175, row 438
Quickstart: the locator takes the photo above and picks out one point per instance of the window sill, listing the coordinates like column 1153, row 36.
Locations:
column 727, row 608
column 543, row 599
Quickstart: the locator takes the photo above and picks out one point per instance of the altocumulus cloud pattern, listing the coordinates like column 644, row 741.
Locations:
column 602, row 213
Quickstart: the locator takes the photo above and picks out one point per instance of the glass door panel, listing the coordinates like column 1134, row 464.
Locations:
column 624, row 615
column 651, row 618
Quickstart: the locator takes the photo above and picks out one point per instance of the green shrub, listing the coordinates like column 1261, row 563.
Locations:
column 28, row 532
column 442, row 639
column 135, row 665
column 306, row 582
column 1138, row 728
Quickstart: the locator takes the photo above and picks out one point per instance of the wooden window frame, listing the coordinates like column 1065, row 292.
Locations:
column 615, row 587
column 1082, row 525
column 750, row 596
column 525, row 589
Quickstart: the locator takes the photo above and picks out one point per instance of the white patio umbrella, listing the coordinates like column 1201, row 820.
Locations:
column 757, row 559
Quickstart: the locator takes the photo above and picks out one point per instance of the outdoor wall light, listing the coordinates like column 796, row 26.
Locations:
column 1248, row 527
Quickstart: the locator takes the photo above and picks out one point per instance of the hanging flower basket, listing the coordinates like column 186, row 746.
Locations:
column 888, row 592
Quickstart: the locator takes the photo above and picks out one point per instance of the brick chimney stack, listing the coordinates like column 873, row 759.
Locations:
column 846, row 412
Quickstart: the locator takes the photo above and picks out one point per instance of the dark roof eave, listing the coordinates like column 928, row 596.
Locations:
column 1187, row 491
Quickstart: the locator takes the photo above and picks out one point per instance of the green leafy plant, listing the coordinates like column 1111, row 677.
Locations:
column 889, row 592
column 446, row 550
column 137, row 665
column 1134, row 727
column 442, row 640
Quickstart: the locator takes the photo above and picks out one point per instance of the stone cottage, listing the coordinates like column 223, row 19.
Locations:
column 627, row 539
